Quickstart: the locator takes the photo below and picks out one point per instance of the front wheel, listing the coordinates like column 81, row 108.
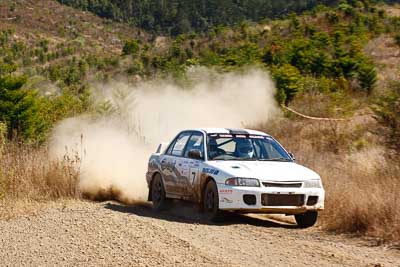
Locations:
column 158, row 195
column 307, row 219
column 211, row 202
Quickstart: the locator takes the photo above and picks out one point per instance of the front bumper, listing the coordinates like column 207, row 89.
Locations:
column 270, row 199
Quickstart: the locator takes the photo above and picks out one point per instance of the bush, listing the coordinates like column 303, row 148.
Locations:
column 397, row 39
column 131, row 47
column 387, row 112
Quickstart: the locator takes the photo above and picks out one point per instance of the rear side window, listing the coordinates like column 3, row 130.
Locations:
column 195, row 142
column 180, row 144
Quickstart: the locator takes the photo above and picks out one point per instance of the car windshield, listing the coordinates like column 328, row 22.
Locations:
column 245, row 147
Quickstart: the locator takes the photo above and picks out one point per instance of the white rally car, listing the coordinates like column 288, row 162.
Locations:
column 234, row 170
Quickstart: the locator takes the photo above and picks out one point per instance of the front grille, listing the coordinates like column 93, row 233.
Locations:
column 290, row 185
column 282, row 200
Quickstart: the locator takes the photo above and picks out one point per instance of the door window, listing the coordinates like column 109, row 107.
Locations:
column 180, row 144
column 195, row 142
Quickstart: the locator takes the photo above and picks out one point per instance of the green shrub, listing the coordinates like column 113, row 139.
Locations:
column 131, row 47
column 136, row 68
column 287, row 78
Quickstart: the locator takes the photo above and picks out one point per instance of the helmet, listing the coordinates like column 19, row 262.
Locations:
column 244, row 148
column 213, row 148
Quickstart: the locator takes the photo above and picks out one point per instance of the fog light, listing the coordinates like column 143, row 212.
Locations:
column 249, row 199
column 312, row 200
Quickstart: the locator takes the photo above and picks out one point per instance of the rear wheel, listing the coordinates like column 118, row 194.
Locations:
column 307, row 219
column 158, row 195
column 211, row 202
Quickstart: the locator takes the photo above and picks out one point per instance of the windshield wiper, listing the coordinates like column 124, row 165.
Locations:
column 276, row 159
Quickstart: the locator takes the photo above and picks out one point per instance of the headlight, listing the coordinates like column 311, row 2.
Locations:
column 312, row 184
column 243, row 182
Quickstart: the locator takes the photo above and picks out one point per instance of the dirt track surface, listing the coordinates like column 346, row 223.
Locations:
column 105, row 234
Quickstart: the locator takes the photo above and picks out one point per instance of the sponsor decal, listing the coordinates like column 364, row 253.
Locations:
column 194, row 164
column 257, row 137
column 210, row 171
column 227, row 200
column 225, row 191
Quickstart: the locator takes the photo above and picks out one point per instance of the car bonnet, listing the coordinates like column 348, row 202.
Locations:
column 265, row 170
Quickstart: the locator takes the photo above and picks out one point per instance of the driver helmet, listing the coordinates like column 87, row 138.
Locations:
column 213, row 147
column 244, row 149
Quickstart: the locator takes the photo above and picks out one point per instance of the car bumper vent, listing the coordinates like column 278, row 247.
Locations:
column 282, row 200
column 290, row 185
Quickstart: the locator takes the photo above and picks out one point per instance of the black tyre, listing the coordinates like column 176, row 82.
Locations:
column 211, row 202
column 158, row 196
column 307, row 219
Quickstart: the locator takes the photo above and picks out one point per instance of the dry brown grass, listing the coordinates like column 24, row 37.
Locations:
column 28, row 173
column 362, row 187
column 362, row 201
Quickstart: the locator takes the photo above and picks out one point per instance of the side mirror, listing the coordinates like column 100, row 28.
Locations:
column 292, row 156
column 195, row 154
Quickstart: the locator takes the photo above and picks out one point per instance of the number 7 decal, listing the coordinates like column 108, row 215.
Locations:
column 193, row 175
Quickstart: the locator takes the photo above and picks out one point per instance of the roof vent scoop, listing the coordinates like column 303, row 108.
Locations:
column 237, row 131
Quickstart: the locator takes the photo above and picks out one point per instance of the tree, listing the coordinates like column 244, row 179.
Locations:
column 387, row 113
column 367, row 77
column 287, row 78
column 20, row 109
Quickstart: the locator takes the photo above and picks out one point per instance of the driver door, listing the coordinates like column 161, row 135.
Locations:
column 172, row 164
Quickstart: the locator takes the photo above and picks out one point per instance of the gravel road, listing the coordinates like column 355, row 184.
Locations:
column 81, row 233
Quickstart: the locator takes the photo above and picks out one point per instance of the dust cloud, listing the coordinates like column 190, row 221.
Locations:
column 115, row 142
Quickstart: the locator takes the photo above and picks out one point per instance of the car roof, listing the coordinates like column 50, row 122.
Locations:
column 230, row 131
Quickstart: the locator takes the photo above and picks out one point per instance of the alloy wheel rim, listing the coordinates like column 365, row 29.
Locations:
column 157, row 191
column 210, row 200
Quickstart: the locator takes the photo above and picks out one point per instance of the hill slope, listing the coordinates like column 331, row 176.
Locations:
column 182, row 16
column 34, row 20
